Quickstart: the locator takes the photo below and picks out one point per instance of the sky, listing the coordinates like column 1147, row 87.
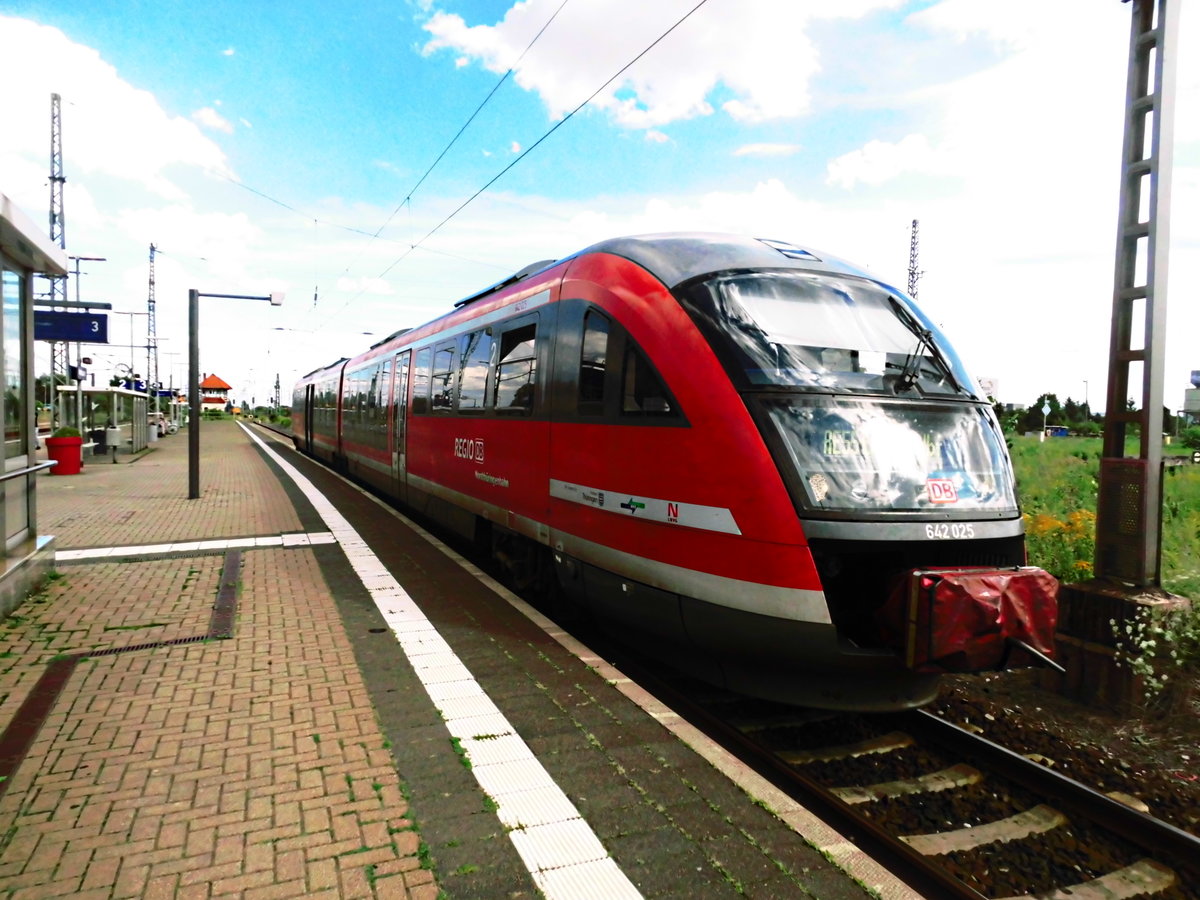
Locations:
column 378, row 161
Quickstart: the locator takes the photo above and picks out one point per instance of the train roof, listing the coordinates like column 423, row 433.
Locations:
column 674, row 258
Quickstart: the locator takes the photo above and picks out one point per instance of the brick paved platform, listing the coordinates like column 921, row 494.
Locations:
column 153, row 748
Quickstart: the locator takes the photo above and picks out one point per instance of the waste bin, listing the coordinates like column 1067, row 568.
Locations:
column 67, row 452
column 96, row 436
column 112, row 439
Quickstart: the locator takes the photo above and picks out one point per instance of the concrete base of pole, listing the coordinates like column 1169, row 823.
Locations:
column 1094, row 647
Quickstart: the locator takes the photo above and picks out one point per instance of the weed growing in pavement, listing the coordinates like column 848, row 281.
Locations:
column 369, row 874
column 316, row 738
column 489, row 803
column 462, row 754
column 424, row 858
column 466, row 869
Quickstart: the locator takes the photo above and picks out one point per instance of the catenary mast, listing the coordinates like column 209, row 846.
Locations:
column 58, row 235
column 151, row 337
column 914, row 274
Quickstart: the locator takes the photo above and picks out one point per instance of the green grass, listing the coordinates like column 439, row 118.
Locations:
column 1058, row 482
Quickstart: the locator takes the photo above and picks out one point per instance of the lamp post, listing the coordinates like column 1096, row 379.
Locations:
column 275, row 299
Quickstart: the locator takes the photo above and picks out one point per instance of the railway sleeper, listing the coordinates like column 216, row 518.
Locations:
column 1145, row 877
column 1037, row 820
column 884, row 743
column 956, row 776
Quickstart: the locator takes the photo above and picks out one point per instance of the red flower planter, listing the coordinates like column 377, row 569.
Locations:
column 68, row 452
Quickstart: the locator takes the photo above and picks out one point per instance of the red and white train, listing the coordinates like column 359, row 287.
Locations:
column 744, row 454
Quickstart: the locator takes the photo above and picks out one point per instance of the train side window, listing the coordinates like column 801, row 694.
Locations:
column 593, row 363
column 475, row 353
column 442, row 390
column 516, row 371
column 371, row 392
column 420, row 391
column 644, row 393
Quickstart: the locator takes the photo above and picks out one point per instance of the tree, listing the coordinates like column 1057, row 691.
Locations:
column 1031, row 419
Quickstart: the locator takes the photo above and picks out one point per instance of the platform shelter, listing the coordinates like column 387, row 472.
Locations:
column 110, row 416
column 25, row 253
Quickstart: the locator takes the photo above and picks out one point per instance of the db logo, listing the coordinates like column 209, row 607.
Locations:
column 469, row 448
column 941, row 490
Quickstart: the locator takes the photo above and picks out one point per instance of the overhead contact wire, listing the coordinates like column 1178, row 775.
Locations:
column 471, row 118
column 553, row 129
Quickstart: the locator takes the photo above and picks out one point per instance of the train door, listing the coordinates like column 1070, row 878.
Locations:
column 310, row 391
column 399, row 424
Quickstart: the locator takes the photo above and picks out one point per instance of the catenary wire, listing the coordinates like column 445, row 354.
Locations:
column 551, row 131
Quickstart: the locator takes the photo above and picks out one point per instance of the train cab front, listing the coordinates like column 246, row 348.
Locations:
column 897, row 470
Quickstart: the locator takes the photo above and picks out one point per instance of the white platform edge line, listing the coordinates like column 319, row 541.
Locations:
column 849, row 858
column 360, row 556
column 250, row 543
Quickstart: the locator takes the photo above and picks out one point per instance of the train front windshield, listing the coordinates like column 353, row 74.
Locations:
column 874, row 409
column 882, row 455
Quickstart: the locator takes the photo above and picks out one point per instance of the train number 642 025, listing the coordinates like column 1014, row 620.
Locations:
column 943, row 531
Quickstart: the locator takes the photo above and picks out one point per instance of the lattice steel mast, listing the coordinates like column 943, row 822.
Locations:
column 151, row 337
column 58, row 234
column 1129, row 513
column 914, row 274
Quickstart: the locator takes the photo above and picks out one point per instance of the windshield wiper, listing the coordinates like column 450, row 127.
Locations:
column 907, row 379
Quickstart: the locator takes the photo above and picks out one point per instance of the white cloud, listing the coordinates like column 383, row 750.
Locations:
column 514, row 148
column 878, row 161
column 767, row 150
column 654, row 136
column 758, row 50
column 228, row 51
column 210, row 118
column 104, row 112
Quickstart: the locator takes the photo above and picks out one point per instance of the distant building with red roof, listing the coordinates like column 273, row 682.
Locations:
column 214, row 393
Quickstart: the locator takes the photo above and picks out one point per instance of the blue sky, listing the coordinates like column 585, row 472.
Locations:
column 261, row 145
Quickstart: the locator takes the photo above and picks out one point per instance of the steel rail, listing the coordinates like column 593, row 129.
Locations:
column 911, row 867
column 1154, row 835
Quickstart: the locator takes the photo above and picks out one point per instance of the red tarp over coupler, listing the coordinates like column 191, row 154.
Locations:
column 966, row 620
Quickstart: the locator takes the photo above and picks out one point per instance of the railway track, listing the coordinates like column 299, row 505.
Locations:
column 955, row 814
column 951, row 813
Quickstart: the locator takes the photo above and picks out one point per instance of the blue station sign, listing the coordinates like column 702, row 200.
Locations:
column 84, row 328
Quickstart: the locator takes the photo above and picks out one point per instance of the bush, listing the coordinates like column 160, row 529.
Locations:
column 66, row 431
column 285, row 422
column 1191, row 437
